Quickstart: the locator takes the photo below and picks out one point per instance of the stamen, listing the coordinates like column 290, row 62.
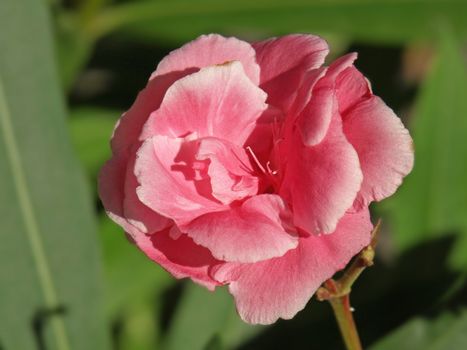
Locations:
column 270, row 171
column 256, row 159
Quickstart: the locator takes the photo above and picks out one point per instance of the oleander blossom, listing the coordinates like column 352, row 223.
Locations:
column 253, row 166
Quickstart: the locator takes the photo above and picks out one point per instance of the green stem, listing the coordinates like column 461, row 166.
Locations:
column 338, row 293
column 346, row 323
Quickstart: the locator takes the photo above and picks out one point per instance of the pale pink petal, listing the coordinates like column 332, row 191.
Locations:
column 217, row 101
column 281, row 287
column 384, row 148
column 284, row 62
column 208, row 50
column 112, row 191
column 230, row 172
column 130, row 125
column 181, row 257
column 321, row 182
column 168, row 183
column 258, row 229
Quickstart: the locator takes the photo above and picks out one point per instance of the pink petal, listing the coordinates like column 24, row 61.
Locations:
column 229, row 169
column 383, row 145
column 336, row 68
column 284, row 62
column 139, row 215
column 314, row 121
column 181, row 257
column 306, row 89
column 115, row 193
column 208, row 50
column 320, row 88
column 352, row 87
column 130, row 125
column 321, row 182
column 261, row 139
column 217, row 101
column 258, row 229
column 167, row 182
column 281, row 287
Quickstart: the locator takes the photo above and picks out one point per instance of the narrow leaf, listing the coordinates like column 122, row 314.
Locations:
column 49, row 265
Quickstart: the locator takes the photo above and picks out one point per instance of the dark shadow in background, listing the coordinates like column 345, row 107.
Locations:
column 41, row 320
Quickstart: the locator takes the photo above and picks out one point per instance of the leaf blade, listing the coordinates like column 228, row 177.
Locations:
column 49, row 266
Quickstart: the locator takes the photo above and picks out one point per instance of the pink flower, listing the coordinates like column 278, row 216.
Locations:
column 253, row 166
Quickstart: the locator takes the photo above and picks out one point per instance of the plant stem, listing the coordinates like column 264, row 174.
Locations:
column 338, row 293
column 346, row 323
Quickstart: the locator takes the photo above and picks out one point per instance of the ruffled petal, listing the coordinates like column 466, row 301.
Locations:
column 168, row 183
column 229, row 170
column 281, row 287
column 351, row 88
column 217, row 101
column 384, row 148
column 284, row 61
column 260, row 228
column 139, row 215
column 316, row 97
column 118, row 196
column 321, row 182
column 314, row 121
column 194, row 263
column 208, row 50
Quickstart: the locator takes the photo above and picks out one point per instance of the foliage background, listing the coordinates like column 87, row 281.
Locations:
column 68, row 277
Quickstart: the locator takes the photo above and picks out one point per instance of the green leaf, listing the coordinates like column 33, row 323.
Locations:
column 433, row 199
column 49, row 262
column 91, row 129
column 393, row 21
column 204, row 319
column 448, row 331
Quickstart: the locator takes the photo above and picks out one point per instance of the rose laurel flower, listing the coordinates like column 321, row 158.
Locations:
column 253, row 166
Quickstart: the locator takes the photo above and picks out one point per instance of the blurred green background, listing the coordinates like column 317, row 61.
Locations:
column 68, row 277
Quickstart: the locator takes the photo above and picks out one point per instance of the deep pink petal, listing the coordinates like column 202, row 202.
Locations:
column 324, row 78
column 314, row 121
column 284, row 62
column 351, row 88
column 314, row 101
column 321, row 182
column 336, row 68
column 115, row 191
column 181, row 257
column 258, row 229
column 306, row 89
column 281, row 287
column 208, row 50
column 168, row 184
column 384, row 148
column 217, row 101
